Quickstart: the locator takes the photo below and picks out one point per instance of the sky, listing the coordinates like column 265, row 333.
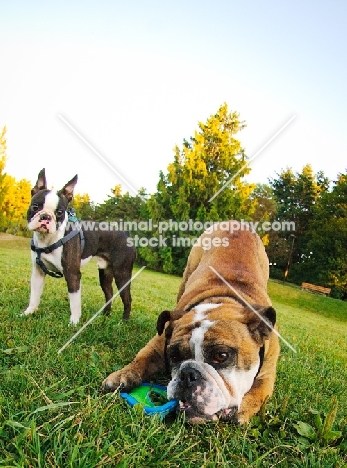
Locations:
column 106, row 89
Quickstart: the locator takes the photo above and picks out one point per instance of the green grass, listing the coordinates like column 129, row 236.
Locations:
column 52, row 414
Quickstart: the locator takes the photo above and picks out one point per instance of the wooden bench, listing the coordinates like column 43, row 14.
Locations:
column 315, row 289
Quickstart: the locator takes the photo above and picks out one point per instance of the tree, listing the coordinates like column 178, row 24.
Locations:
column 263, row 203
column 120, row 207
column 14, row 195
column 296, row 196
column 327, row 244
column 3, row 187
column 83, row 206
column 211, row 161
column 201, row 167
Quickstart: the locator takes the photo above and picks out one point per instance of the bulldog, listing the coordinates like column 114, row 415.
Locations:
column 219, row 343
column 60, row 246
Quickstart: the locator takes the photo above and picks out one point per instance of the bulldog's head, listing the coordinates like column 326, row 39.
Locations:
column 47, row 210
column 214, row 355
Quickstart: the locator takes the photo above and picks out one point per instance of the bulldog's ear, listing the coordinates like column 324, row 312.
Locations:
column 261, row 323
column 68, row 189
column 41, row 183
column 163, row 318
column 167, row 316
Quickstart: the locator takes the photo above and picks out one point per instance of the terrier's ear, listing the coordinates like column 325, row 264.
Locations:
column 68, row 189
column 41, row 183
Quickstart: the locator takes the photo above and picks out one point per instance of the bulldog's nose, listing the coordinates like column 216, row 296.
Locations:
column 189, row 375
column 45, row 217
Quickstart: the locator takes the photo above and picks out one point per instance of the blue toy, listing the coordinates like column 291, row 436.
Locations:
column 152, row 397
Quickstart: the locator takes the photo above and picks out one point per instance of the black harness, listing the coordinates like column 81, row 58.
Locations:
column 59, row 243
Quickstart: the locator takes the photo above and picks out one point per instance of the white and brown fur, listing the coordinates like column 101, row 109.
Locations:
column 47, row 218
column 222, row 354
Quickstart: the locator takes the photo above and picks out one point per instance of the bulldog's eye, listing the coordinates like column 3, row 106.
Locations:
column 59, row 213
column 35, row 207
column 219, row 358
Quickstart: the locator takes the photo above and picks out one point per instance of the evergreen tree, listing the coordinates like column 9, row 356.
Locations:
column 296, row 196
column 120, row 207
column 83, row 206
column 327, row 245
column 211, row 161
column 201, row 167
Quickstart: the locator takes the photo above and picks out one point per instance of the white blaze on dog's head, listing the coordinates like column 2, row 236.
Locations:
column 51, row 202
column 198, row 334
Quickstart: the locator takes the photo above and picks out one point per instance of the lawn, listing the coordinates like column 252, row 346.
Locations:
column 53, row 415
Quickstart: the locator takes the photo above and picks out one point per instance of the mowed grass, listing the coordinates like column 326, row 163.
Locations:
column 53, row 415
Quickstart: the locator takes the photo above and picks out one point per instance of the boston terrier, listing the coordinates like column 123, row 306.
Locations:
column 61, row 245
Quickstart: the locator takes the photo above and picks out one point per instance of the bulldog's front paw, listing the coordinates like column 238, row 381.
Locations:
column 124, row 379
column 242, row 418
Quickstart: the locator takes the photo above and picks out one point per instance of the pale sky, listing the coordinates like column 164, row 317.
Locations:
column 133, row 78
